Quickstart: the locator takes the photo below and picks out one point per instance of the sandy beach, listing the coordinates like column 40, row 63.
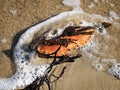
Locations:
column 17, row 15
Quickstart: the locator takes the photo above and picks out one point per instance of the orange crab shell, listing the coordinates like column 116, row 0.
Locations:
column 80, row 40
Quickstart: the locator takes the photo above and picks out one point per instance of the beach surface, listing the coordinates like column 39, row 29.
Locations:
column 17, row 15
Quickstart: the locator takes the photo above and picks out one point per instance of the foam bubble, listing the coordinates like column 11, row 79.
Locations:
column 98, row 66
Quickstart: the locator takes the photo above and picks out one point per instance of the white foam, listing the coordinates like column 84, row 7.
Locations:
column 91, row 49
column 98, row 26
column 74, row 3
column 24, row 76
column 114, row 15
column 50, row 34
column 113, row 61
column 112, row 4
column 101, row 64
column 115, row 70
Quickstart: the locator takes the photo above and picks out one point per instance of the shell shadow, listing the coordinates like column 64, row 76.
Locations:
column 9, row 52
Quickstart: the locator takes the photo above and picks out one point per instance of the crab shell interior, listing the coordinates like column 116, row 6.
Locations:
column 78, row 41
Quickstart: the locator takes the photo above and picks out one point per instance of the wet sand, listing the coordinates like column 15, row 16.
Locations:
column 17, row 16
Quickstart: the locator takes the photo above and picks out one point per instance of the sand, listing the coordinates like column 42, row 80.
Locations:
column 17, row 16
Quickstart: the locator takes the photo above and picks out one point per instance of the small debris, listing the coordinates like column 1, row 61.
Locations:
column 3, row 40
column 106, row 24
column 12, row 11
column 91, row 5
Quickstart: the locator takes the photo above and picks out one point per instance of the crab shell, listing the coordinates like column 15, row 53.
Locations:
column 77, row 41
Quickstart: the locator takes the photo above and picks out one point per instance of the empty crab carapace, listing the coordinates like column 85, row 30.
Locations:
column 72, row 37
